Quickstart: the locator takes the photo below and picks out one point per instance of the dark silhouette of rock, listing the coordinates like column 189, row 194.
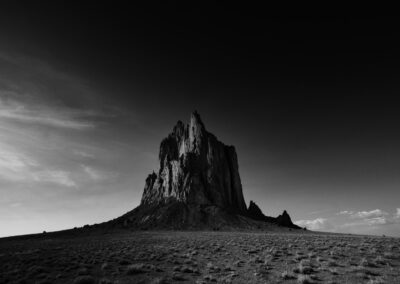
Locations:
column 197, row 186
column 255, row 213
column 284, row 220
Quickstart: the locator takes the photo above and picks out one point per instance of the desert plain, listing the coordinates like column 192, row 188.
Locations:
column 199, row 257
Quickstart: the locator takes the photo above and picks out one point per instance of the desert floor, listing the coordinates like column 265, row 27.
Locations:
column 201, row 257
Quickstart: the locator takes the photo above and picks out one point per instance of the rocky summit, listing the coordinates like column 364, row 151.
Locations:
column 197, row 169
column 197, row 186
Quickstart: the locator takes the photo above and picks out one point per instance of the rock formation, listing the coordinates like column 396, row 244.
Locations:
column 284, row 219
column 197, row 186
column 196, row 168
column 255, row 213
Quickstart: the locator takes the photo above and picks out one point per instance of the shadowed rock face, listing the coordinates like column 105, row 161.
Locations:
column 284, row 219
column 255, row 212
column 196, row 169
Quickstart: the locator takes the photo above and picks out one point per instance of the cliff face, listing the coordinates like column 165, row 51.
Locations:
column 197, row 169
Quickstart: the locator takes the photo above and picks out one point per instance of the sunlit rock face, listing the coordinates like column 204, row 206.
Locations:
column 196, row 169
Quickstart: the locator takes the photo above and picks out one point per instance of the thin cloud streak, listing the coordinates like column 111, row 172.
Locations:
column 61, row 118
column 58, row 177
column 98, row 175
column 16, row 166
column 369, row 214
column 345, row 212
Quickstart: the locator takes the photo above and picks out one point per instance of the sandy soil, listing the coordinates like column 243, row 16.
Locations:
column 201, row 257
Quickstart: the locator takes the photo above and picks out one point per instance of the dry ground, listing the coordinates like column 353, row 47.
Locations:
column 201, row 257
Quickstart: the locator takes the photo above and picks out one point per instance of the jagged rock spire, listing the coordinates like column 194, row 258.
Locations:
column 196, row 168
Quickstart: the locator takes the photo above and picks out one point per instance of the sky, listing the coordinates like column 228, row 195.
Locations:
column 88, row 92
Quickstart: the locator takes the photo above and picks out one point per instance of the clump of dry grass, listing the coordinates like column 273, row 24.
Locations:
column 86, row 279
column 380, row 260
column 135, row 269
column 332, row 263
column 333, row 271
column 363, row 272
column 105, row 281
column 311, row 254
column 299, row 256
column 304, row 267
column 333, row 254
column 286, row 275
column 319, row 259
column 304, row 279
column 378, row 280
column 389, row 255
column 159, row 280
column 365, row 263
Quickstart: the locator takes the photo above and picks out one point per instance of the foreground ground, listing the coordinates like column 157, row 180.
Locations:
column 201, row 257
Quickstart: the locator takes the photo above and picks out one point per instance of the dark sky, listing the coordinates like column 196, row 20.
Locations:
column 309, row 104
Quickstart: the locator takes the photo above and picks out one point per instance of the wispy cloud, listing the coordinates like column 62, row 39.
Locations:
column 57, row 177
column 397, row 214
column 92, row 173
column 11, row 160
column 345, row 212
column 83, row 154
column 16, row 166
column 376, row 217
column 98, row 175
column 315, row 224
column 369, row 214
column 53, row 117
column 367, row 222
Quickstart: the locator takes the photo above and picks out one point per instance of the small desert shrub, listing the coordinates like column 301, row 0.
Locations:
column 378, row 280
column 299, row 256
column 286, row 275
column 84, row 280
column 159, row 280
column 104, row 266
column 334, row 271
column 311, row 254
column 365, row 263
column 304, row 279
column 379, row 260
column 105, row 281
column 388, row 255
column 363, row 272
column 333, row 254
column 135, row 269
column 304, row 267
column 332, row 263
